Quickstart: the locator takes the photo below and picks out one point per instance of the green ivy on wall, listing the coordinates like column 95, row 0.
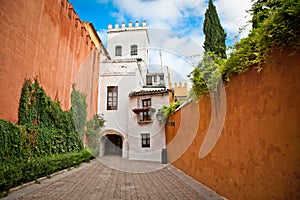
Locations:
column 44, row 135
column 44, row 128
column 37, row 109
column 93, row 133
column 79, row 106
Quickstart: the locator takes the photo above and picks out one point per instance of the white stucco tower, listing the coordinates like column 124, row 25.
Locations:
column 128, row 42
column 127, row 99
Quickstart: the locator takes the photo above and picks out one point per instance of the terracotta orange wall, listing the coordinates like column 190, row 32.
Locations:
column 257, row 155
column 44, row 39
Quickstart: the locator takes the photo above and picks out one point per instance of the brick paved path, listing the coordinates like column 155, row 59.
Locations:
column 95, row 180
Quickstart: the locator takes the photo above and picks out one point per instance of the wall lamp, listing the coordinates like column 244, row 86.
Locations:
column 160, row 117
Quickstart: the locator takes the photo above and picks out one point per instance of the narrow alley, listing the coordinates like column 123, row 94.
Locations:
column 96, row 180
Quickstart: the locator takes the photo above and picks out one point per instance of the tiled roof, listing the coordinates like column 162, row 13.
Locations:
column 149, row 92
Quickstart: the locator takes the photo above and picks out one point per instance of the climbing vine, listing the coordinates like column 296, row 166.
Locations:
column 44, row 140
column 93, row 133
column 79, row 106
column 37, row 109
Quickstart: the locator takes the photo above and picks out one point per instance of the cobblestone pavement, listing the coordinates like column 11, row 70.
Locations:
column 95, row 180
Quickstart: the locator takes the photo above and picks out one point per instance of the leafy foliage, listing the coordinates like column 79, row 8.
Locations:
column 79, row 106
column 15, row 143
column 93, row 133
column 215, row 35
column 168, row 110
column 207, row 76
column 275, row 27
column 44, row 141
column 46, row 129
column 37, row 109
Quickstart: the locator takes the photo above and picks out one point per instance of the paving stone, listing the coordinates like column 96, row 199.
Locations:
column 101, row 179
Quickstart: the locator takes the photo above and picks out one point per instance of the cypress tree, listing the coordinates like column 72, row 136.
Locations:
column 215, row 35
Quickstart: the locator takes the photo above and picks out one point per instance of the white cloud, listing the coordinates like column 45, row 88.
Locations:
column 185, row 16
column 177, row 51
column 178, row 66
column 103, row 36
column 161, row 13
column 174, row 42
column 233, row 16
column 118, row 15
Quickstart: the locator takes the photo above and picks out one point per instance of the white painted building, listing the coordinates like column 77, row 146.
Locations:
column 130, row 96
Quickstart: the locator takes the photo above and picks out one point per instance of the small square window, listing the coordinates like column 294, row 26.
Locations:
column 118, row 51
column 134, row 50
column 148, row 80
column 145, row 140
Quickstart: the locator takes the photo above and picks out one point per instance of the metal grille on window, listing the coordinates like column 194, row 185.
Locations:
column 145, row 140
column 134, row 50
column 118, row 50
column 112, row 97
column 146, row 115
column 148, row 80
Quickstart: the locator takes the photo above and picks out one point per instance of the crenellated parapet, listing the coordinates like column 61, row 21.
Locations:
column 178, row 85
column 60, row 49
column 79, row 25
column 130, row 26
column 180, row 89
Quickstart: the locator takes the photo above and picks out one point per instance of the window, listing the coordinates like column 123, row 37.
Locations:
column 145, row 140
column 148, row 80
column 118, row 50
column 161, row 78
column 156, row 79
column 134, row 50
column 146, row 115
column 112, row 97
column 146, row 102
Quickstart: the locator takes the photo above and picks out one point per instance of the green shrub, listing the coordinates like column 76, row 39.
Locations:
column 21, row 171
column 24, row 142
column 168, row 110
column 45, row 141
column 275, row 26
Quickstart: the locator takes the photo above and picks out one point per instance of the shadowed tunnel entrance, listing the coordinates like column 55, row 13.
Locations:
column 113, row 145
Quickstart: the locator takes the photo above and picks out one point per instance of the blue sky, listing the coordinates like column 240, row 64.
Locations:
column 175, row 25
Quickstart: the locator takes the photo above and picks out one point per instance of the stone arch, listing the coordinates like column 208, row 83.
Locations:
column 113, row 142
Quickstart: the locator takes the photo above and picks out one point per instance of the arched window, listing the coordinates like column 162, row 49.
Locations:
column 118, row 50
column 134, row 50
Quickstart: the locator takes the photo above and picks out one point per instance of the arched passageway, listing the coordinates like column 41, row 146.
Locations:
column 113, row 145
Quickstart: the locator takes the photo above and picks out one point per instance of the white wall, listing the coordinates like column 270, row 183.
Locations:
column 129, row 75
column 126, row 37
column 128, row 78
column 156, row 130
